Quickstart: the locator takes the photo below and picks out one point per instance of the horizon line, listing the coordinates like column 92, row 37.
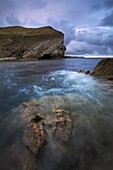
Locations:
column 90, row 56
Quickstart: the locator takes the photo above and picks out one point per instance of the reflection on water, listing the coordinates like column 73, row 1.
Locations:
column 55, row 84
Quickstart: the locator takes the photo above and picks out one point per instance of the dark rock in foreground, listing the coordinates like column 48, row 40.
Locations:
column 104, row 69
column 19, row 43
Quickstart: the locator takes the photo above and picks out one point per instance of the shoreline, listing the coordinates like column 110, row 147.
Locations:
column 13, row 59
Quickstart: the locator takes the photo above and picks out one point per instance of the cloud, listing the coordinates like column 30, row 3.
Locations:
column 80, row 48
column 21, row 10
column 103, row 4
column 66, row 27
column 36, row 4
column 109, row 3
column 75, row 11
column 97, row 41
column 6, row 7
column 108, row 19
column 30, row 5
column 67, row 16
column 13, row 20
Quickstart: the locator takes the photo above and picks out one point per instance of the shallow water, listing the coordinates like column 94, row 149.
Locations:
column 55, row 83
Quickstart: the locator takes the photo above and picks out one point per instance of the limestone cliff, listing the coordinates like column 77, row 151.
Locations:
column 30, row 43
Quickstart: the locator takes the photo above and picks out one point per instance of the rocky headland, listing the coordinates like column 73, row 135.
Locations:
column 19, row 43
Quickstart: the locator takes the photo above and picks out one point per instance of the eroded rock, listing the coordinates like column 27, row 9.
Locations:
column 42, row 128
column 60, row 125
column 34, row 135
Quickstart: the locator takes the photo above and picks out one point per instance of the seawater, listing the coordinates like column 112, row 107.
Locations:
column 89, row 100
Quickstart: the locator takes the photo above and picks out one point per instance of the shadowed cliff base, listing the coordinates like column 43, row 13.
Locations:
column 19, row 43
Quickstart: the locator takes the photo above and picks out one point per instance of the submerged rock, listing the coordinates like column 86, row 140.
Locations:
column 104, row 69
column 34, row 135
column 42, row 128
column 19, row 43
column 60, row 125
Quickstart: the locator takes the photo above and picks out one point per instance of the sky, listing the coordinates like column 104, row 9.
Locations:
column 87, row 24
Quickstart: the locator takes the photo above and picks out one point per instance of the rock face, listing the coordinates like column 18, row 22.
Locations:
column 104, row 69
column 31, row 43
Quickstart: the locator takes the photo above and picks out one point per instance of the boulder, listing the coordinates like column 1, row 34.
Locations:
column 19, row 43
column 104, row 69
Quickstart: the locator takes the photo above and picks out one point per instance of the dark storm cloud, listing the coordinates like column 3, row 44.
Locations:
column 13, row 20
column 64, row 26
column 96, row 41
column 35, row 4
column 5, row 7
column 109, row 3
column 102, row 4
column 108, row 20
column 38, row 4
column 22, row 12
column 75, row 11
column 98, row 5
column 8, row 7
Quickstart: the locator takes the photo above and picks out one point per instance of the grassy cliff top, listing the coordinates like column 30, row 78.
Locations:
column 22, row 31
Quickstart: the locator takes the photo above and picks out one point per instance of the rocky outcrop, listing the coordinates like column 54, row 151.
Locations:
column 60, row 125
column 19, row 43
column 34, row 135
column 104, row 69
column 41, row 129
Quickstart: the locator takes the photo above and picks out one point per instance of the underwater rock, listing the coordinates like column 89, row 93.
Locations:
column 41, row 128
column 34, row 135
column 60, row 125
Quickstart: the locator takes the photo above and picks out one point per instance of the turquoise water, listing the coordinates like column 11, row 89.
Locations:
column 56, row 82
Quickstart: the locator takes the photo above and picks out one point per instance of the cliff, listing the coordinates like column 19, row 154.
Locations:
column 19, row 43
column 104, row 69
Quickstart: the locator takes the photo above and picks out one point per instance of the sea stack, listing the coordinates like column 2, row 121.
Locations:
column 19, row 43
